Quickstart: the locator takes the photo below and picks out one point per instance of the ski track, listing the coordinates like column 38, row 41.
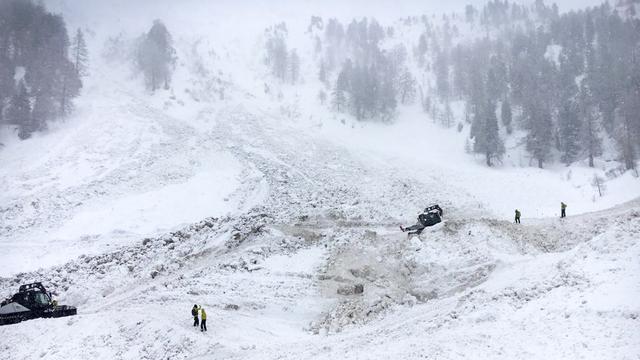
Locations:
column 328, row 219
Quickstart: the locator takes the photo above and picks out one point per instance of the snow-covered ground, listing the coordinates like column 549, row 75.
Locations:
column 139, row 206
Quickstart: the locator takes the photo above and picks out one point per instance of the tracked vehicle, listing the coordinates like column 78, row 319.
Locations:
column 30, row 302
column 431, row 215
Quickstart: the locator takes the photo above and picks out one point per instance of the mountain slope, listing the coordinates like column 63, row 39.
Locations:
column 141, row 205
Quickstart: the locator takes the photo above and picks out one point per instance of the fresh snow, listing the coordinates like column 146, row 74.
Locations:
column 139, row 205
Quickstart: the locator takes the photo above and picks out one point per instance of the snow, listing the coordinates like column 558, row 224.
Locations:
column 140, row 205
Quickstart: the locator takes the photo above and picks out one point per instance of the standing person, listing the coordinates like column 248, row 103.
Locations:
column 563, row 210
column 194, row 313
column 517, row 216
column 203, row 321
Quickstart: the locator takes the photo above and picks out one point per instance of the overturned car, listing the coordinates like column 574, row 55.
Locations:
column 30, row 302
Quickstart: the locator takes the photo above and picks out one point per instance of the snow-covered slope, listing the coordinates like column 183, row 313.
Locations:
column 140, row 205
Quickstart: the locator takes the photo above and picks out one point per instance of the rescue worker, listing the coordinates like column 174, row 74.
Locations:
column 194, row 313
column 517, row 216
column 203, row 319
column 563, row 210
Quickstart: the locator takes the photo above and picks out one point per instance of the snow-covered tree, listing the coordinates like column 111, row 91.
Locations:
column 34, row 51
column 79, row 54
column 294, row 66
column 322, row 73
column 486, row 135
column 19, row 109
column 407, row 87
column 421, row 50
column 540, row 136
column 322, row 97
column 156, row 56
column 570, row 128
column 506, row 115
column 339, row 98
column 591, row 141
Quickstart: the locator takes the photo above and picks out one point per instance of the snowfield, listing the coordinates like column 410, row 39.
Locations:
column 260, row 209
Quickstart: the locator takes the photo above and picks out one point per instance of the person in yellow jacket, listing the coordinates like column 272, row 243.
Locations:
column 203, row 319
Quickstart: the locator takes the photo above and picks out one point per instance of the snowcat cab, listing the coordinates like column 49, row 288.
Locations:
column 32, row 301
column 432, row 215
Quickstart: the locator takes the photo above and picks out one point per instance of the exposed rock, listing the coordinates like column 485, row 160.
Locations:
column 352, row 289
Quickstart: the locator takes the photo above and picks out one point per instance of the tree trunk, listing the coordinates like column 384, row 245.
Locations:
column 540, row 163
column 488, row 159
column 63, row 101
column 629, row 155
column 77, row 62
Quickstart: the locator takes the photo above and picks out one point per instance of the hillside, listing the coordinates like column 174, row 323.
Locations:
column 259, row 205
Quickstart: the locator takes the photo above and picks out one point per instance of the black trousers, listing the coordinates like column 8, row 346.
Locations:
column 195, row 320
column 416, row 227
column 563, row 213
column 517, row 220
column 203, row 325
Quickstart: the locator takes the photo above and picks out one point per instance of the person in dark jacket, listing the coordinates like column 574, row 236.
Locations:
column 194, row 313
column 517, row 216
column 563, row 210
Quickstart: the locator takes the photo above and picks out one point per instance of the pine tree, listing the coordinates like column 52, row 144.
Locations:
column 422, row 49
column 470, row 13
column 294, row 66
column 487, row 137
column 387, row 96
column 277, row 57
column 322, row 96
column 43, row 111
column 156, row 56
column 6, row 82
column 590, row 129
column 339, row 99
column 506, row 115
column 68, row 88
column 570, row 127
column 539, row 139
column 407, row 88
column 80, row 54
column 322, row 73
column 19, row 112
column 442, row 74
column 19, row 109
column 628, row 126
column 36, row 43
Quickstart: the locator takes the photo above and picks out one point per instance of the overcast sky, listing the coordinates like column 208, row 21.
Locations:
column 288, row 7
column 251, row 15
